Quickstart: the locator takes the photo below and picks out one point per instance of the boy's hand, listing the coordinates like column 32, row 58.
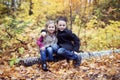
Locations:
column 43, row 34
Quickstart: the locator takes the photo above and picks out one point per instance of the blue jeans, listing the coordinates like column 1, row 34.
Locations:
column 67, row 54
column 55, row 48
column 48, row 53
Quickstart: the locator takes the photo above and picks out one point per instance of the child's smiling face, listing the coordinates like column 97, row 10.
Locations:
column 51, row 28
column 61, row 25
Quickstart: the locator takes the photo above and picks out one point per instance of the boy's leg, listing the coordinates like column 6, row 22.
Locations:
column 50, row 53
column 77, row 61
column 70, row 55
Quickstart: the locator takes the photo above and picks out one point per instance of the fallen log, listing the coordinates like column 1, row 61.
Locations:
column 85, row 55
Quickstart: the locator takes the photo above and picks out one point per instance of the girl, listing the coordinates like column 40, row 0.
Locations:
column 46, row 42
column 68, row 42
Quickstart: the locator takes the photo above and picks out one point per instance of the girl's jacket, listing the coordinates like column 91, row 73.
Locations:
column 46, row 41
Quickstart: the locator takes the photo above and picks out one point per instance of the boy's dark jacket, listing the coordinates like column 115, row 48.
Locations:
column 68, row 40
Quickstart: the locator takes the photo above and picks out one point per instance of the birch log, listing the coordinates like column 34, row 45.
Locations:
column 85, row 55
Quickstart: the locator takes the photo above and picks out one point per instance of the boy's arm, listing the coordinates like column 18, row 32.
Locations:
column 43, row 33
column 76, row 41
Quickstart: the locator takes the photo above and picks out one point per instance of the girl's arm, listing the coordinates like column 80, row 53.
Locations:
column 40, row 42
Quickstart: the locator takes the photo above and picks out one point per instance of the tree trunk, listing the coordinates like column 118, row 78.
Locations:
column 13, row 5
column 19, row 3
column 70, row 3
column 30, row 10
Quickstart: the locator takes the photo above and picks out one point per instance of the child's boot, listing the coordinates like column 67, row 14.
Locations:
column 44, row 66
column 77, row 61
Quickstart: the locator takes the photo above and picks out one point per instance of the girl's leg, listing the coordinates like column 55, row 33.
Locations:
column 43, row 59
column 50, row 53
column 43, row 55
column 55, row 47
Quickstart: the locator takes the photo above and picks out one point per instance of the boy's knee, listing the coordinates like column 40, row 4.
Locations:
column 61, row 51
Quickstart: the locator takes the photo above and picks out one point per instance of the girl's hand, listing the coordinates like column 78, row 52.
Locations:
column 43, row 48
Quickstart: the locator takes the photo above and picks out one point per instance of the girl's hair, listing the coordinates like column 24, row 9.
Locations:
column 61, row 18
column 49, row 22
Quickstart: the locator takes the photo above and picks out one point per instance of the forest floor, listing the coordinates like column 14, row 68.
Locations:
column 102, row 68
column 97, row 68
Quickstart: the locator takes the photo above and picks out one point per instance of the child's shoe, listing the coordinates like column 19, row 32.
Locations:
column 77, row 62
column 44, row 67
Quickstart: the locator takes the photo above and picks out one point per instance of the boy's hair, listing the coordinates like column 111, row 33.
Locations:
column 62, row 18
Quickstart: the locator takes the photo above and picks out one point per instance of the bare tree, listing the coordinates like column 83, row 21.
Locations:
column 30, row 10
column 14, row 5
column 70, row 3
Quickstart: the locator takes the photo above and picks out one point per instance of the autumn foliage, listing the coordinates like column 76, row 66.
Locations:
column 95, row 22
column 106, row 67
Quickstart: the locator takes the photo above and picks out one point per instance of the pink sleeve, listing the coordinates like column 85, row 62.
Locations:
column 40, row 42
